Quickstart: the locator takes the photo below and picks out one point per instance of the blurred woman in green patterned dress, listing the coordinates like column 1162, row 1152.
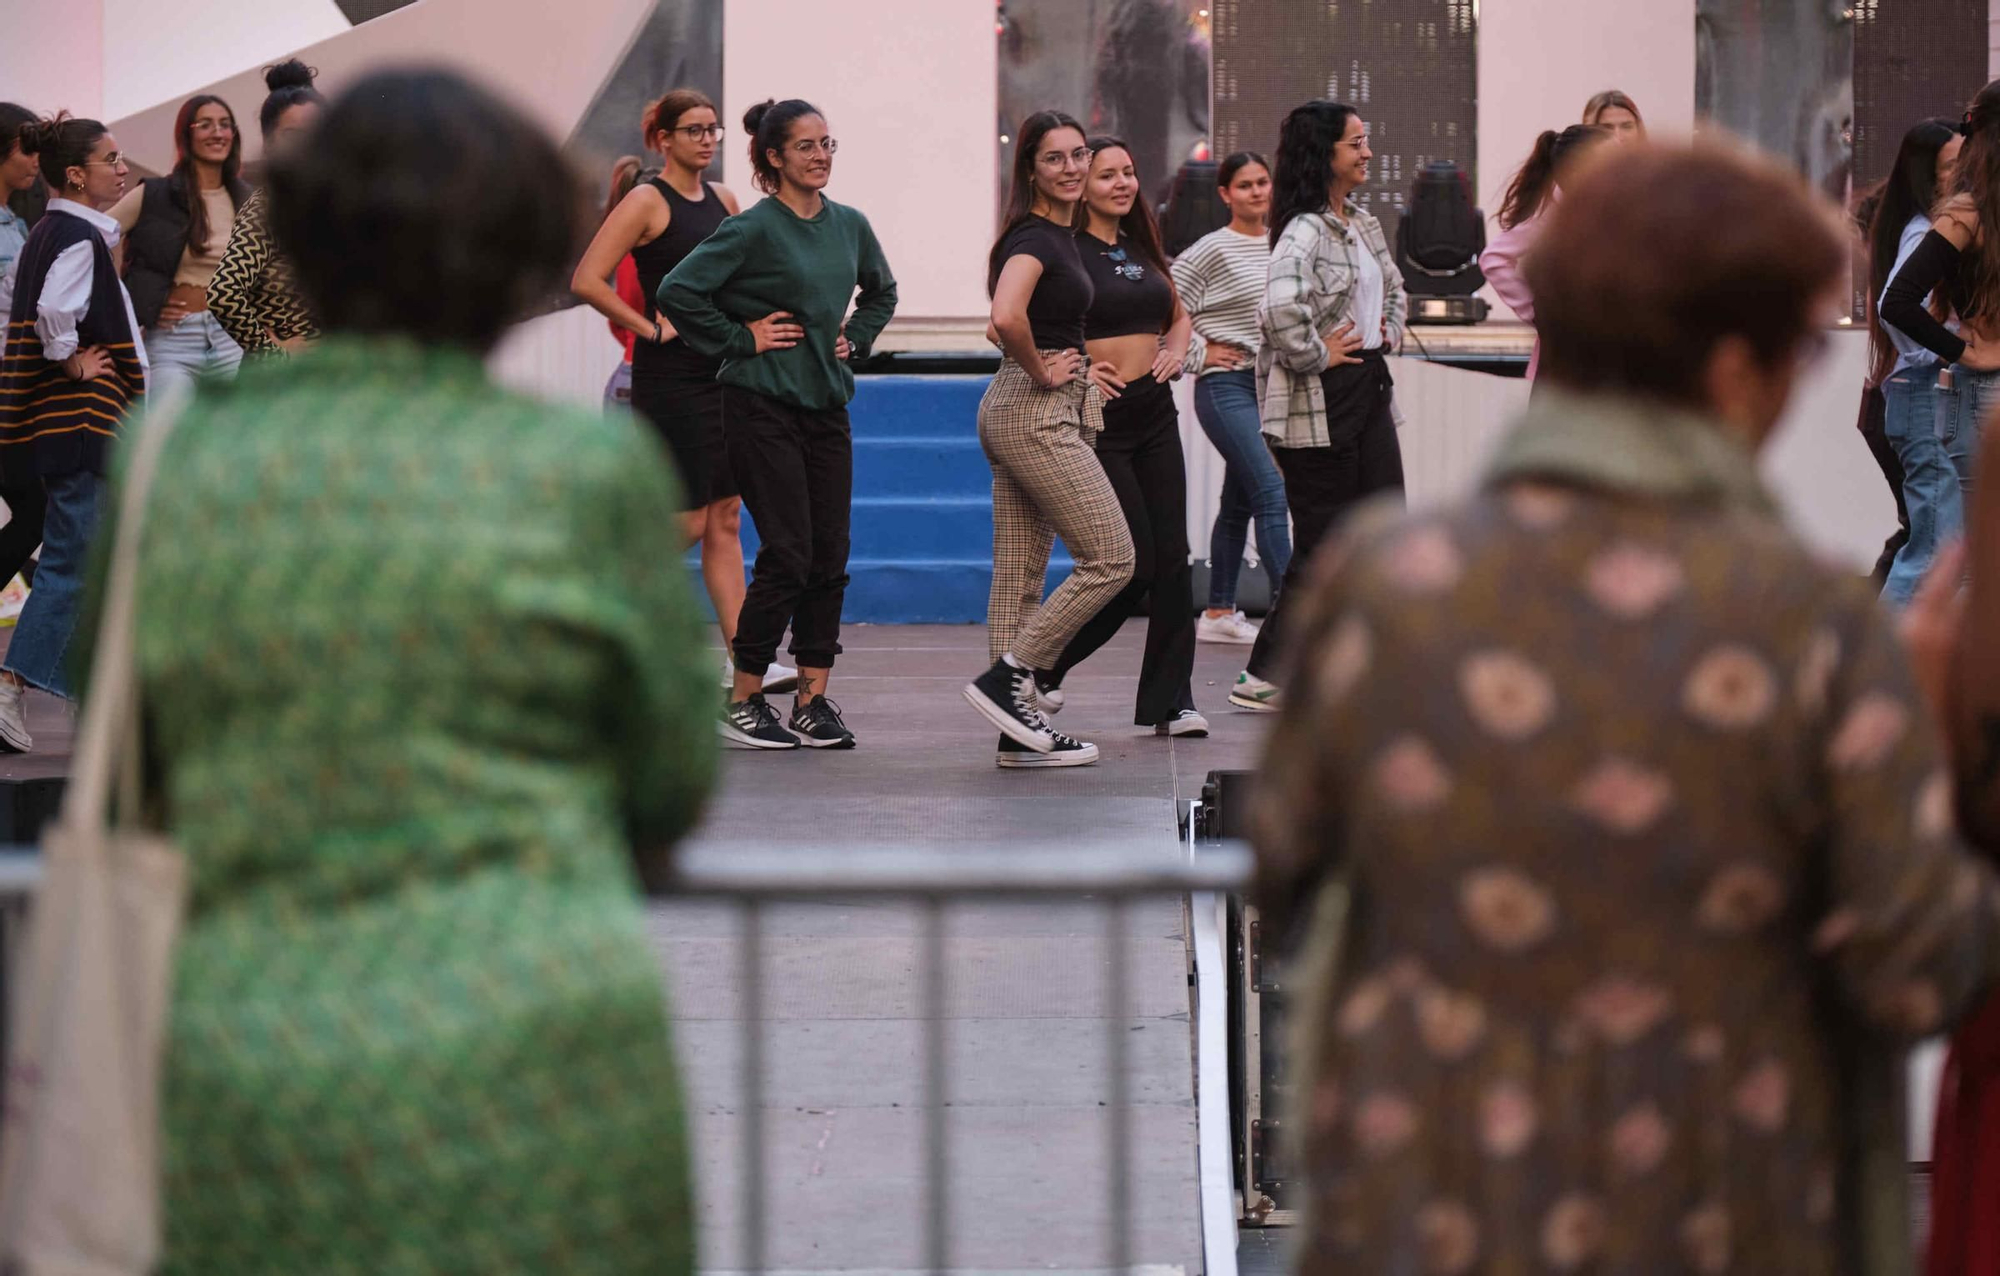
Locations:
column 418, row 695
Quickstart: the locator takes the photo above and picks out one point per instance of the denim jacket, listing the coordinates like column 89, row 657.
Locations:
column 1310, row 288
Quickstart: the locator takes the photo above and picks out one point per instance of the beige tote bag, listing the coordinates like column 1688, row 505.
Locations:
column 79, row 1142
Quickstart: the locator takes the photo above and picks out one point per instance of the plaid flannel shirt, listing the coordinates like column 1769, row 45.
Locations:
column 1310, row 289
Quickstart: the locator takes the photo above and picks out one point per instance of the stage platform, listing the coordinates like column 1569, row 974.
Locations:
column 1028, row 1016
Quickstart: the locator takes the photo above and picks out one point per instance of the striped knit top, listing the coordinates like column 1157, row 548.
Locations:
column 1221, row 282
column 49, row 423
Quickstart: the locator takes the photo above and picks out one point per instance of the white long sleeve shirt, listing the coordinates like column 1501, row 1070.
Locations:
column 65, row 298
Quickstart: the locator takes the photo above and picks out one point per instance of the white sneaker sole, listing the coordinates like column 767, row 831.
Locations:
column 1010, row 726
column 15, row 740
column 1041, row 761
column 845, row 742
column 1226, row 639
column 744, row 740
column 1255, row 706
column 1196, row 729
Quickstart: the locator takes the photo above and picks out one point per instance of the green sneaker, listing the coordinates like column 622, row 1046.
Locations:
column 1254, row 693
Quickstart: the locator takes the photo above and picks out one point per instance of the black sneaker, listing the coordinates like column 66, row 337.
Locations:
column 1006, row 696
column 753, row 724
column 1067, row 752
column 818, row 725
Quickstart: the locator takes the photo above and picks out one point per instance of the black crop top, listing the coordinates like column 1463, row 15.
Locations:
column 1131, row 296
column 1062, row 294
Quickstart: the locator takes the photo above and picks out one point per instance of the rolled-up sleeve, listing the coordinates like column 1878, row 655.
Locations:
column 1287, row 312
column 65, row 300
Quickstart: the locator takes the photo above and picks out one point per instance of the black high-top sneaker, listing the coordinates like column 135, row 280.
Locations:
column 1067, row 752
column 753, row 724
column 1006, row 697
column 817, row 724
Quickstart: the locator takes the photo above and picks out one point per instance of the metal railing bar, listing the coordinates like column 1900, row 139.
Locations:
column 811, row 874
column 1117, row 998
column 753, row 1203
column 937, row 1162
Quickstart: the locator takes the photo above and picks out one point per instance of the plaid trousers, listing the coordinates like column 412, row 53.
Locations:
column 1047, row 483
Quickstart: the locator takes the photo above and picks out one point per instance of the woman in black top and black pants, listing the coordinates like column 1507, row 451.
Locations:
column 1134, row 305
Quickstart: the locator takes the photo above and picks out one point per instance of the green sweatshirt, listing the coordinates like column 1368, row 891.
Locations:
column 769, row 258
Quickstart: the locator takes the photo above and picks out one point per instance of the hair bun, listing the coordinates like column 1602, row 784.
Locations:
column 289, row 74
column 755, row 115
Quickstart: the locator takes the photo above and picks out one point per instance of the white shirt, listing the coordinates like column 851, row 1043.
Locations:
column 65, row 298
column 1369, row 297
column 1908, row 353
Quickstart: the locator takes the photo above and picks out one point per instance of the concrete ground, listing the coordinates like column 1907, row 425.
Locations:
column 1027, row 1013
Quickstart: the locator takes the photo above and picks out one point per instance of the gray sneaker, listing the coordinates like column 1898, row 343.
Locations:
column 14, row 737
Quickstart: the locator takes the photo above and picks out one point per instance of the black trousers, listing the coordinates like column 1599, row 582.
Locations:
column 26, row 505
column 795, row 468
column 1322, row 484
column 1140, row 450
column 1874, row 431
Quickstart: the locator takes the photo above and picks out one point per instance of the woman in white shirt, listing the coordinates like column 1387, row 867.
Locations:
column 1221, row 283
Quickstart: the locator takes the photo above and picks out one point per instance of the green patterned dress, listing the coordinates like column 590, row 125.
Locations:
column 421, row 670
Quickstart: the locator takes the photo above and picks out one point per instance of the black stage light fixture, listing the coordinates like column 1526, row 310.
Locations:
column 1438, row 241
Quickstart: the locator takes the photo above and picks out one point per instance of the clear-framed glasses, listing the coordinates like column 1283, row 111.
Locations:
column 214, row 126
column 700, row 132
column 1078, row 158
column 1356, row 142
column 112, row 160
column 806, row 146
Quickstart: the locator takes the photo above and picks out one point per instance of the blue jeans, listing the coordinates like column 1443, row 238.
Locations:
column 618, row 390
column 1226, row 405
column 40, row 650
column 195, row 347
column 1911, row 420
column 1961, row 413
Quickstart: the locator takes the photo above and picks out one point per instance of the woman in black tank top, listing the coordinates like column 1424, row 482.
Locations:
column 674, row 388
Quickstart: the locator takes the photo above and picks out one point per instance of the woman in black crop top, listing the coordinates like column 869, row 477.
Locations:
column 1036, row 423
column 674, row 388
column 1137, row 338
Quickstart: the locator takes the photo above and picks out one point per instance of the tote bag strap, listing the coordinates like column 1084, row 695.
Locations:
column 108, row 736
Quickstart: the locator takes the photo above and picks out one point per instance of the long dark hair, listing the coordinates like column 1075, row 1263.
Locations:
column 1978, row 175
column 1529, row 192
column 183, row 177
column 1021, row 181
column 16, row 124
column 1911, row 190
column 769, row 123
column 1137, row 224
column 1237, row 163
column 290, row 83
column 624, row 176
column 1303, row 177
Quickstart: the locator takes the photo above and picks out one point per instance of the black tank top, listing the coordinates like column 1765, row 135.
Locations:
column 690, row 222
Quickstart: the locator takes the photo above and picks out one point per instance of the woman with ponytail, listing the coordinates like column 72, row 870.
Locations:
column 253, row 296
column 785, row 390
column 1528, row 196
column 625, row 175
column 176, row 228
column 72, row 366
column 649, row 228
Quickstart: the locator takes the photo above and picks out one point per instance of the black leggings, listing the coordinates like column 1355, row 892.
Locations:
column 1322, row 484
column 1140, row 450
column 26, row 504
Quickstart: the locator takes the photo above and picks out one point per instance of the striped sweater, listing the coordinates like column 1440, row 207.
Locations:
column 50, row 424
column 1221, row 282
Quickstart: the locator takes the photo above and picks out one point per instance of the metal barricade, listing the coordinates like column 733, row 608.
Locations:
column 1115, row 874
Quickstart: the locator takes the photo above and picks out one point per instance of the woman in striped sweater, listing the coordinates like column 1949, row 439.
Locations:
column 1221, row 282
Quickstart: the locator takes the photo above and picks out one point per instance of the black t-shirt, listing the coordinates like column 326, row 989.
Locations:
column 1062, row 294
column 1130, row 296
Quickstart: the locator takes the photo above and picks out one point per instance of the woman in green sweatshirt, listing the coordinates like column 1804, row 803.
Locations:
column 768, row 293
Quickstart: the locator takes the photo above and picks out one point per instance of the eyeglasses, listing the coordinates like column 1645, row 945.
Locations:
column 112, row 160
column 700, row 132
column 807, row 146
column 1356, row 142
column 1080, row 157
column 213, row 126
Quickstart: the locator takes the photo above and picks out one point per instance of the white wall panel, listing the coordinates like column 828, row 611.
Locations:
column 166, row 50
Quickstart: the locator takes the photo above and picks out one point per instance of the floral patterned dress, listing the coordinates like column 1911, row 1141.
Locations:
column 1642, row 826
column 421, row 670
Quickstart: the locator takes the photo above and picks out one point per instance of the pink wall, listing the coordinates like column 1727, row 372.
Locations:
column 55, row 65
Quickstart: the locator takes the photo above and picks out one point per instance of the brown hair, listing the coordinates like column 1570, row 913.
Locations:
column 1977, row 174
column 1535, row 180
column 662, row 115
column 624, row 176
column 184, row 179
column 1594, row 109
column 1633, row 294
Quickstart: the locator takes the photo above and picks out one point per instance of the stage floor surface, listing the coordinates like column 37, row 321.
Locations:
column 1027, row 1011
